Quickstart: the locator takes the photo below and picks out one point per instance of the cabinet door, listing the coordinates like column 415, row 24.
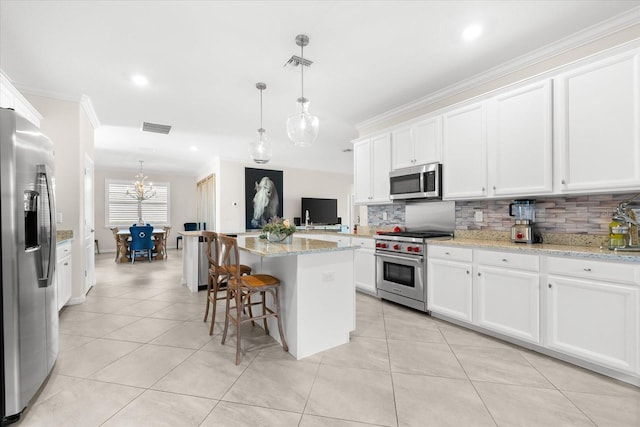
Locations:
column 449, row 288
column 381, row 165
column 362, row 171
column 599, row 125
column 364, row 264
column 520, row 141
column 427, row 141
column 402, row 148
column 465, row 152
column 596, row 321
column 63, row 275
column 507, row 301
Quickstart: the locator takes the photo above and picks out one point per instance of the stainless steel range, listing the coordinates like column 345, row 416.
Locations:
column 401, row 258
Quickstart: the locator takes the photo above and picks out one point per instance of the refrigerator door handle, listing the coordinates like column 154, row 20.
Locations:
column 47, row 252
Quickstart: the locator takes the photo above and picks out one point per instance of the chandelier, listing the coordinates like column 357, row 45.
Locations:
column 260, row 149
column 302, row 127
column 140, row 192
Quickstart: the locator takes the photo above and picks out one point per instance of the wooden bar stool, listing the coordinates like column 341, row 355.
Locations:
column 218, row 277
column 240, row 288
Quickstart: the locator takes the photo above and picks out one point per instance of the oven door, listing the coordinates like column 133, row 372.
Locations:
column 401, row 275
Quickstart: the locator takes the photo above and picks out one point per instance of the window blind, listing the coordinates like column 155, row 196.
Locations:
column 122, row 210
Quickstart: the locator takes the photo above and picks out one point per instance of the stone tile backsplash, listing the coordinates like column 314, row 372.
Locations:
column 395, row 215
column 576, row 215
column 568, row 214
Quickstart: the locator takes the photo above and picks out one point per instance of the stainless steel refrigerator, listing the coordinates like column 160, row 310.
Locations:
column 29, row 328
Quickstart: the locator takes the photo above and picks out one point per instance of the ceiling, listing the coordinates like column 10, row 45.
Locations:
column 203, row 59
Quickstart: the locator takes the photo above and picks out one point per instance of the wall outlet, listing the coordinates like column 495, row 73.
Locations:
column 328, row 276
column 479, row 217
column 385, row 216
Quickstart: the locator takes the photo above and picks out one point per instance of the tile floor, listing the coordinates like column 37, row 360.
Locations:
column 137, row 353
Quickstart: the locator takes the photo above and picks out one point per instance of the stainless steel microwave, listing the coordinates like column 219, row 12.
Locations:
column 416, row 182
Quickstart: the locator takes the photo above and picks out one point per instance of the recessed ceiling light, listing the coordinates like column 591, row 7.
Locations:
column 140, row 80
column 472, row 32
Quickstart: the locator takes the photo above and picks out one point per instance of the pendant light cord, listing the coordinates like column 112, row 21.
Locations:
column 302, row 70
column 260, row 108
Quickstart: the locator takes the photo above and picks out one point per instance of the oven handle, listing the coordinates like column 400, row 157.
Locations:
column 417, row 260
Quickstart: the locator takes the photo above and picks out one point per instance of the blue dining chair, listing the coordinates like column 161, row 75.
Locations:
column 141, row 241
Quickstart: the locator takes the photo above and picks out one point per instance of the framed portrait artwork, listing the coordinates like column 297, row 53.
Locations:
column 263, row 196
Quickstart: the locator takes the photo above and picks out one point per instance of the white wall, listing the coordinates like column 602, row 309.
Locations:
column 68, row 126
column 182, row 208
column 298, row 183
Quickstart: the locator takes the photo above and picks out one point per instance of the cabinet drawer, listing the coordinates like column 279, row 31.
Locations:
column 63, row 250
column 363, row 242
column 597, row 270
column 507, row 260
column 450, row 252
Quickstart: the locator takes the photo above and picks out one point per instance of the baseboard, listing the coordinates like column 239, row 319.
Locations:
column 77, row 300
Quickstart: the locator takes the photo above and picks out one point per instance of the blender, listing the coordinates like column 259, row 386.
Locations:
column 524, row 230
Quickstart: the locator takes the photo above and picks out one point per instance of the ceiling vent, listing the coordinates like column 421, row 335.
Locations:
column 295, row 61
column 153, row 127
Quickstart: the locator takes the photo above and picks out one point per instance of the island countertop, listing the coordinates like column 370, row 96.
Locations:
column 298, row 246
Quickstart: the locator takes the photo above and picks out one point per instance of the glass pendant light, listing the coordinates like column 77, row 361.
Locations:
column 303, row 127
column 260, row 149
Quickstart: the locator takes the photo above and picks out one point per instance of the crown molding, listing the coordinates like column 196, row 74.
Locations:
column 47, row 94
column 580, row 38
column 86, row 103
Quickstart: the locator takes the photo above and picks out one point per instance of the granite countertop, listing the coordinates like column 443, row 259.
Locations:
column 62, row 235
column 593, row 252
column 298, row 246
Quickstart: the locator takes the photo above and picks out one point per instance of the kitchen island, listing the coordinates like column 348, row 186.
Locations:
column 317, row 295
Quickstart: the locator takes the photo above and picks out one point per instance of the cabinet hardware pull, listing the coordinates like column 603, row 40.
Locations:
column 447, row 253
column 66, row 263
column 563, row 182
column 483, row 189
column 505, row 260
column 478, row 274
column 549, row 285
column 586, row 269
column 467, row 271
column 494, row 188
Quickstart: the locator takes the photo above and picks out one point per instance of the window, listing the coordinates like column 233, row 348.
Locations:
column 122, row 210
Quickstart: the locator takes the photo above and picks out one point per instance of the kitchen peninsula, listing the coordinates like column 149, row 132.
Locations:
column 317, row 296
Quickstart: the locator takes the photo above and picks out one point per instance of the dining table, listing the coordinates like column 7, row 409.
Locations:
column 123, row 244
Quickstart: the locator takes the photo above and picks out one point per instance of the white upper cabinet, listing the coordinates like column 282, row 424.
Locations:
column 520, row 141
column 371, row 163
column 417, row 144
column 598, row 125
column 11, row 98
column 501, row 146
column 465, row 152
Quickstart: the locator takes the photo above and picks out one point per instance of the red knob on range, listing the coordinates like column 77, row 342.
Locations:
column 519, row 235
column 383, row 245
column 396, row 246
column 409, row 248
column 378, row 244
column 416, row 248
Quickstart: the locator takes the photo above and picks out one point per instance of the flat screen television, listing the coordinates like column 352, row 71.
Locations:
column 321, row 211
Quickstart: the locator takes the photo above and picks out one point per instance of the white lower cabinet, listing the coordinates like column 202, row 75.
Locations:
column 364, row 265
column 449, row 282
column 593, row 311
column 507, row 294
column 64, row 273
